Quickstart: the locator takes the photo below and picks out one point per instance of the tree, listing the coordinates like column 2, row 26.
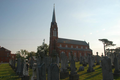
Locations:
column 106, row 43
column 30, row 54
column 22, row 53
column 43, row 49
column 117, row 50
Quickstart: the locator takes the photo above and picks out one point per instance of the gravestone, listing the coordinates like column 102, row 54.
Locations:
column 119, row 59
column 106, row 69
column 53, row 72
column 84, row 62
column 81, row 58
column 58, row 60
column 38, row 64
column 34, row 72
column 116, row 64
column 90, row 62
column 108, row 54
column 98, row 59
column 63, row 71
column 101, row 60
column 14, row 64
column 25, row 70
column 22, row 66
column 41, row 69
column 86, row 58
column 73, row 74
column 112, row 59
column 31, row 62
column 93, row 60
column 47, row 61
column 18, row 66
column 81, row 68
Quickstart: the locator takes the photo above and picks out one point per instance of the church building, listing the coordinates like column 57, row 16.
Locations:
column 78, row 47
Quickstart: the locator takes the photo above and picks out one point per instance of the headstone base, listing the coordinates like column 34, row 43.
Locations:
column 25, row 78
column 74, row 77
column 97, row 63
column 90, row 70
column 70, row 69
column 84, row 64
column 113, row 66
column 116, row 73
column 93, row 65
column 80, row 63
column 33, row 78
column 63, row 75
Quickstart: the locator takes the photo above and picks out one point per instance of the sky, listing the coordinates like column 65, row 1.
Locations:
column 25, row 23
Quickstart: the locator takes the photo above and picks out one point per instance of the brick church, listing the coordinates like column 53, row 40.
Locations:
column 5, row 55
column 77, row 47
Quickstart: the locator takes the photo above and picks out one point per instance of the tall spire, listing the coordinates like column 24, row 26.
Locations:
column 53, row 17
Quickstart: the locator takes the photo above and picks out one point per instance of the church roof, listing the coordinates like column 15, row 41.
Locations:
column 70, row 41
column 53, row 17
column 78, row 49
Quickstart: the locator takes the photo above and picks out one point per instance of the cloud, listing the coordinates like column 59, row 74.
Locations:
column 90, row 33
column 103, row 29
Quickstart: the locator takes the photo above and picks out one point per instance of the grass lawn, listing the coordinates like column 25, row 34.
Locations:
column 6, row 73
column 6, row 70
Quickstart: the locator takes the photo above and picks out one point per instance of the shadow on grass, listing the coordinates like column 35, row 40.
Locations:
column 93, row 76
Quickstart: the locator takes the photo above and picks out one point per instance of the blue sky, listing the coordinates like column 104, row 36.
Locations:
column 25, row 23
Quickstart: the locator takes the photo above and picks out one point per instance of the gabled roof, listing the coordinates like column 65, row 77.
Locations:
column 4, row 49
column 70, row 41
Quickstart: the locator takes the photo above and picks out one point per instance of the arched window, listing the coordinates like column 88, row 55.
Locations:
column 81, row 47
column 76, row 46
column 60, row 45
column 71, row 46
column 80, row 54
column 86, row 47
column 66, row 46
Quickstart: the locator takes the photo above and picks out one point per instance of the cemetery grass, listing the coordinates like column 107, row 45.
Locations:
column 7, row 73
column 83, row 75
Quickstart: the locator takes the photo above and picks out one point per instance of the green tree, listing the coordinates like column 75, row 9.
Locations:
column 43, row 49
column 30, row 54
column 106, row 43
column 22, row 53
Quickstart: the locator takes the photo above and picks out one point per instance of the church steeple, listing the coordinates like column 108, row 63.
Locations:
column 53, row 17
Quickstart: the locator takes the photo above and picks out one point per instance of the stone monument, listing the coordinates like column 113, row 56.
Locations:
column 116, row 64
column 90, row 62
column 63, row 71
column 106, row 69
column 98, row 59
column 25, row 70
column 73, row 74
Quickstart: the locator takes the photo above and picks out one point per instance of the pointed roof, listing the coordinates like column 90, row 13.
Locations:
column 53, row 17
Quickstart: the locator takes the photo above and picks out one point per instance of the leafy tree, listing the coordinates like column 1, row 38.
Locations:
column 106, row 43
column 43, row 49
column 22, row 53
column 30, row 54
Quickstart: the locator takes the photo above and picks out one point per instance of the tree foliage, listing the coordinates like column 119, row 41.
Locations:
column 24, row 54
column 43, row 49
column 107, row 42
